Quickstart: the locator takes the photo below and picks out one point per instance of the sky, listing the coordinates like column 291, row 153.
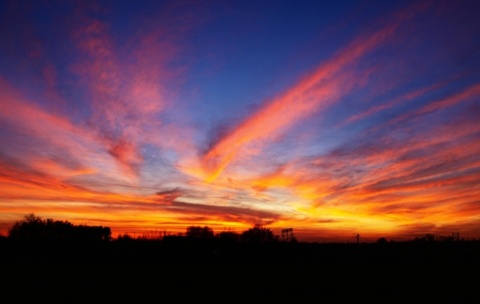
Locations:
column 329, row 117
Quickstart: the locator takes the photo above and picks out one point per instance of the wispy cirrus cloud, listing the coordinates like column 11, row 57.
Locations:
column 428, row 176
column 465, row 95
column 86, row 152
column 105, row 111
column 130, row 87
column 322, row 87
column 408, row 97
column 44, row 131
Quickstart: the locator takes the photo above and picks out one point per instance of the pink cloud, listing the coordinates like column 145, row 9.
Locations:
column 322, row 87
column 384, row 106
column 466, row 94
column 128, row 95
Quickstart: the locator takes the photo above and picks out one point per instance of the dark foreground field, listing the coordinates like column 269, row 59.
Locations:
column 184, row 272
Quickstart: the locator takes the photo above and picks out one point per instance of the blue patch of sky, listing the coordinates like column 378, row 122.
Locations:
column 247, row 58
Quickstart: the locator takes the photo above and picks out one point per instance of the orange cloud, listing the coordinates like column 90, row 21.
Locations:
column 322, row 87
column 430, row 177
column 77, row 145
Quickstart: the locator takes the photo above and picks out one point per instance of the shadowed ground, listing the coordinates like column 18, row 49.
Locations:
column 193, row 270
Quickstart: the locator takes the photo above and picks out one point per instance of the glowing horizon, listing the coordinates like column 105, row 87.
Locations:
column 329, row 118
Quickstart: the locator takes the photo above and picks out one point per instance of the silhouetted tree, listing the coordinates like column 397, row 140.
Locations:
column 258, row 234
column 199, row 232
column 31, row 226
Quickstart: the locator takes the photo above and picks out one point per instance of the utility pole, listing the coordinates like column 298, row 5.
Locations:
column 357, row 236
column 287, row 234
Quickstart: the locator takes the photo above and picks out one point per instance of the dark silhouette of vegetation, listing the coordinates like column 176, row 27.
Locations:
column 426, row 238
column 199, row 232
column 34, row 227
column 227, row 240
column 382, row 240
column 293, row 240
column 258, row 234
column 124, row 237
column 129, row 263
column 228, row 237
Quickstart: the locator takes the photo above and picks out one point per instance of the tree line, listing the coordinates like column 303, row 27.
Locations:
column 34, row 227
column 255, row 234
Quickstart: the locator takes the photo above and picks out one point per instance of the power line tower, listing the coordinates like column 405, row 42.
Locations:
column 287, row 234
column 357, row 236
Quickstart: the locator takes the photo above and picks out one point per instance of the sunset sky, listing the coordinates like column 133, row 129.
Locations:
column 329, row 117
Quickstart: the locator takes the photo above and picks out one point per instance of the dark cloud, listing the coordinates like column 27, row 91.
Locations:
column 226, row 212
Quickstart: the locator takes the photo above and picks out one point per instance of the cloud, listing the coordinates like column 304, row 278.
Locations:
column 226, row 214
column 322, row 87
column 388, row 177
column 129, row 86
column 407, row 97
column 42, row 129
column 168, row 196
column 106, row 139
column 458, row 97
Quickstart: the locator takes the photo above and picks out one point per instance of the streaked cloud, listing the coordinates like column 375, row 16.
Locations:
column 151, row 119
column 325, row 85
